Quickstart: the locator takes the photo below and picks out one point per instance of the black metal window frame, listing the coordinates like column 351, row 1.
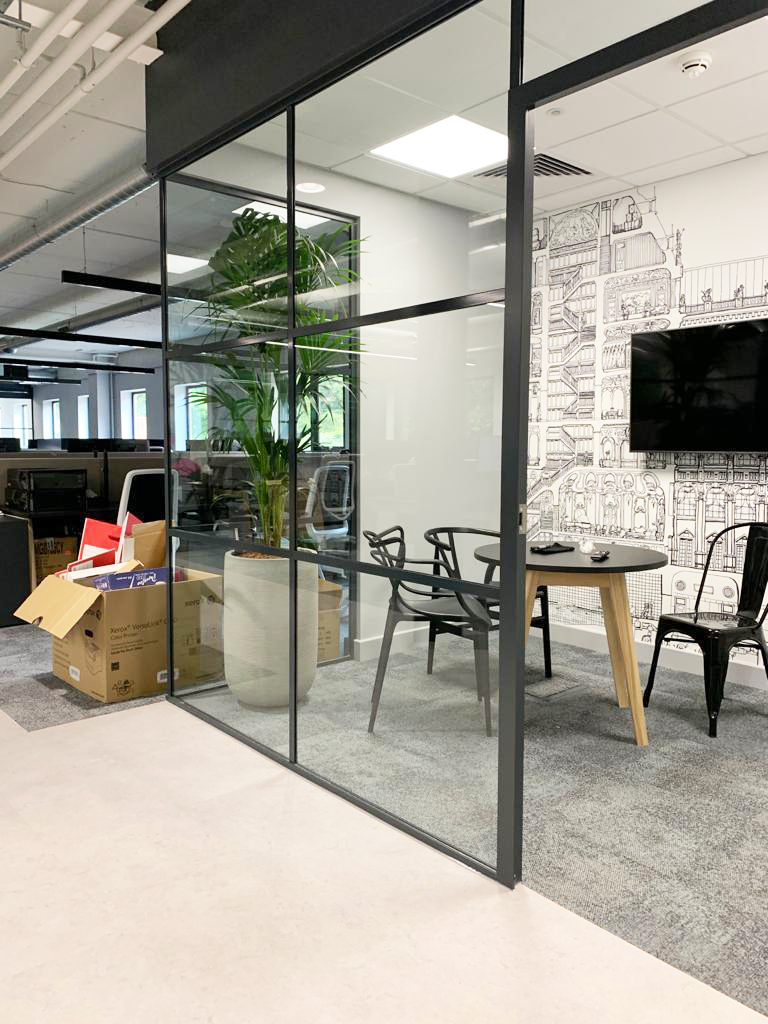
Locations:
column 523, row 98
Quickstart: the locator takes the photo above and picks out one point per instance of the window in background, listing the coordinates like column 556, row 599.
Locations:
column 325, row 420
column 21, row 422
column 51, row 418
column 133, row 414
column 196, row 404
column 83, row 417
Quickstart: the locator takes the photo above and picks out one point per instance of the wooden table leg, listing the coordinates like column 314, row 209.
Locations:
column 614, row 647
column 617, row 595
column 531, row 586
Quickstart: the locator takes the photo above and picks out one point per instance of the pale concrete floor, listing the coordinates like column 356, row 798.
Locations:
column 155, row 870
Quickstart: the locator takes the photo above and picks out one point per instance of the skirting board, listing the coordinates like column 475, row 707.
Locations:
column 671, row 657
column 413, row 638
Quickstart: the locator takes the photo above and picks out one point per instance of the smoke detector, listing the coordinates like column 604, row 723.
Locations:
column 695, row 64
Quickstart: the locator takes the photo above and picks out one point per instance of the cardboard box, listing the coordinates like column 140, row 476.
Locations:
column 113, row 645
column 328, row 620
column 52, row 554
column 147, row 544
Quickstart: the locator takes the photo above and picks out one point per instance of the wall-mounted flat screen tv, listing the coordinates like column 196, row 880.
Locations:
column 700, row 389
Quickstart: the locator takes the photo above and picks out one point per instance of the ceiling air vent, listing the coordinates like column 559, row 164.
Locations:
column 543, row 166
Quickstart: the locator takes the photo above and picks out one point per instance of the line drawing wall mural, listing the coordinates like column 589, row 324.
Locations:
column 601, row 272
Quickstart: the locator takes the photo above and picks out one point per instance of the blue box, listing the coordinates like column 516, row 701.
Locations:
column 130, row 580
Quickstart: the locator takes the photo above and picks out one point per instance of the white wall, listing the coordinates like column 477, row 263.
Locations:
column 67, row 395
column 704, row 230
column 103, row 388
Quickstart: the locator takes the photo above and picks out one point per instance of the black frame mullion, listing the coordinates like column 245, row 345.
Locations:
column 168, row 426
column 293, row 623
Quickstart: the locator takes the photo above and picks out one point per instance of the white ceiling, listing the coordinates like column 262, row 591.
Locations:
column 644, row 126
column 102, row 137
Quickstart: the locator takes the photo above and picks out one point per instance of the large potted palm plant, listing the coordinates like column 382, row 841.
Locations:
column 248, row 403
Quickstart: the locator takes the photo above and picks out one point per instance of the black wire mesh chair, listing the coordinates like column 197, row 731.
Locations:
column 452, row 612
column 717, row 633
column 443, row 540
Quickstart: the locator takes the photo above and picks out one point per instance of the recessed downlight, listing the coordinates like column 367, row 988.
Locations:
column 310, row 186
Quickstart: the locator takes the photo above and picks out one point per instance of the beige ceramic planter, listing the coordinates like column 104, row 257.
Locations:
column 256, row 630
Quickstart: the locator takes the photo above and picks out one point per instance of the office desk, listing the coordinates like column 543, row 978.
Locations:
column 572, row 569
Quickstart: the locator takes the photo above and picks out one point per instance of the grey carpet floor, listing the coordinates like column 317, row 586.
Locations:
column 665, row 847
column 29, row 692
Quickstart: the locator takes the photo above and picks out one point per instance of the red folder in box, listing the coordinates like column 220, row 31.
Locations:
column 97, row 538
column 104, row 558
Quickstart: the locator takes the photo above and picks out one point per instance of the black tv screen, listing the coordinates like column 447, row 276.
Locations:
column 700, row 389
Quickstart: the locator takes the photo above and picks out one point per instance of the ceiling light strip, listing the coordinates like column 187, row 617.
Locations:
column 51, row 334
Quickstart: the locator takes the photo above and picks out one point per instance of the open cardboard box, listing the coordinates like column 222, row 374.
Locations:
column 112, row 645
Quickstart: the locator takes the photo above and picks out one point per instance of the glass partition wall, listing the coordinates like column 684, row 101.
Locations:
column 335, row 321
column 348, row 324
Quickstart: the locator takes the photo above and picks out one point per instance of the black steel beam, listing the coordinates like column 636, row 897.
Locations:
column 54, row 335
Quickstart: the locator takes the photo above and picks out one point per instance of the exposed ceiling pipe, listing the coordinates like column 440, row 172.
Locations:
column 118, row 56
column 81, row 42
column 105, row 198
column 41, row 44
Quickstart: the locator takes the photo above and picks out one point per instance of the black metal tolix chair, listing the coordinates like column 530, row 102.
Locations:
column 717, row 633
column 446, row 611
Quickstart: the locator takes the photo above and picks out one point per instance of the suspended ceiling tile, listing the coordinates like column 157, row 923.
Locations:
column 688, row 165
column 580, row 28
column 455, row 65
column 582, row 113
column 455, row 193
column 539, row 59
column 736, row 55
column 642, row 142
column 270, row 137
column 582, row 194
column 491, row 114
column 499, row 9
column 383, row 172
column 756, row 145
column 361, row 114
column 732, row 113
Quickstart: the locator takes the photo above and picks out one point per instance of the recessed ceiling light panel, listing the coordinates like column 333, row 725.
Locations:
column 303, row 220
column 310, row 186
column 183, row 264
column 450, row 147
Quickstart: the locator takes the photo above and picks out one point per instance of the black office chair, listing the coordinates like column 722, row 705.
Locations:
column 452, row 612
column 442, row 539
column 717, row 633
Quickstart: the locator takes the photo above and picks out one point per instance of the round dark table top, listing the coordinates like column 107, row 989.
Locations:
column 622, row 558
